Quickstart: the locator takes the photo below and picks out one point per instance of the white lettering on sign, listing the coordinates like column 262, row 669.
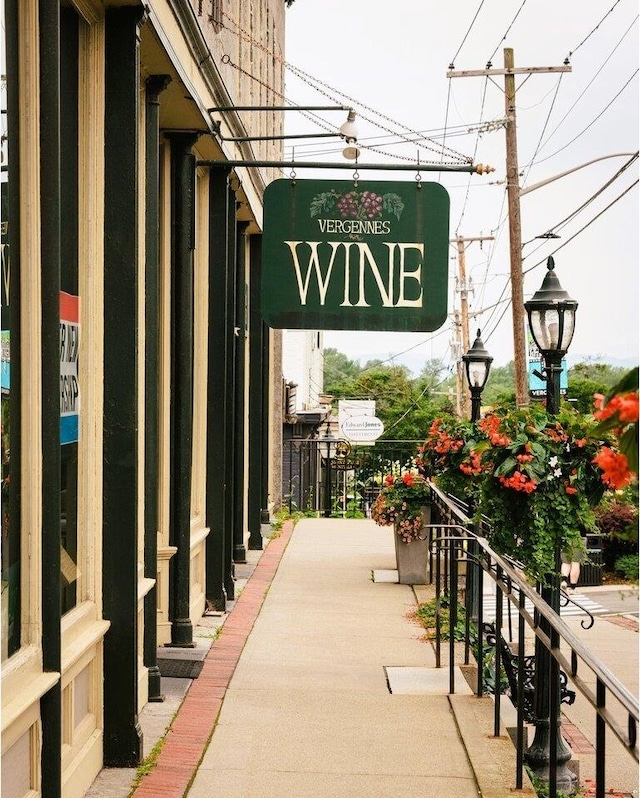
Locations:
column 340, row 270
column 366, row 227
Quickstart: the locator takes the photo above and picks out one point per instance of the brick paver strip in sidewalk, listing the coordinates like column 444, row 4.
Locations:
column 624, row 621
column 578, row 743
column 193, row 725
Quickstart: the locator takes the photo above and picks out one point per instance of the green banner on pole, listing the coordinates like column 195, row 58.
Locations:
column 341, row 255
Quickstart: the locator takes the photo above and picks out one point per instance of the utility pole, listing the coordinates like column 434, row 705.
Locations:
column 460, row 241
column 456, row 348
column 513, row 198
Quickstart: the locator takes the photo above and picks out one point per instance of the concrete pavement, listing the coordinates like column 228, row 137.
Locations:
column 320, row 686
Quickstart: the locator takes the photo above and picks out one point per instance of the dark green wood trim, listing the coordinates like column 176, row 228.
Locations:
column 122, row 734
column 256, row 419
column 50, row 164
column 183, row 172
column 217, row 381
column 266, row 415
column 230, row 451
column 155, row 85
column 239, row 410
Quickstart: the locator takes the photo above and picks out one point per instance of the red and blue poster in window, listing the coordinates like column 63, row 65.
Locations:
column 69, row 387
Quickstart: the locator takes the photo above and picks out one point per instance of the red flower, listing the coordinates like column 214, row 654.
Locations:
column 389, row 480
column 615, row 467
column 407, row 478
column 624, row 404
column 519, row 481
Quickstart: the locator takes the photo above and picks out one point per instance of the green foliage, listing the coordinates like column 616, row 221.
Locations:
column 405, row 405
column 542, row 788
column 426, row 613
column 627, row 566
column 500, row 387
column 284, row 514
column 353, row 510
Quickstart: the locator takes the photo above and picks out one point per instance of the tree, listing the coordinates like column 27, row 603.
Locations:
column 501, row 386
column 587, row 379
column 339, row 372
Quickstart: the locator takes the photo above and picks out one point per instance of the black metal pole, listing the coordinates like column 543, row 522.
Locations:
column 539, row 756
column 476, row 396
column 327, row 488
column 353, row 166
column 155, row 85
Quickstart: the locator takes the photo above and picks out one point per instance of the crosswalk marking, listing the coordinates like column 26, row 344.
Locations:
column 582, row 603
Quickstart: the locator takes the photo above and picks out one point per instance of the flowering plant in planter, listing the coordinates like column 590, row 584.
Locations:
column 400, row 503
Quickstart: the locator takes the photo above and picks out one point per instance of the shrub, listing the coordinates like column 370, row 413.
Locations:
column 627, row 566
column 618, row 524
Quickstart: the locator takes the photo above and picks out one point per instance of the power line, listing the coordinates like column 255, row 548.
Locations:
column 567, row 219
column 475, row 16
column 588, row 224
column 588, row 36
column 586, row 88
column 506, row 32
column 593, row 121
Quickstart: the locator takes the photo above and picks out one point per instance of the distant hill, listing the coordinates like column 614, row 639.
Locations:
column 625, row 362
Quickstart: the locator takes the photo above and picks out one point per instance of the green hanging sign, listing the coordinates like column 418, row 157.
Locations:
column 355, row 256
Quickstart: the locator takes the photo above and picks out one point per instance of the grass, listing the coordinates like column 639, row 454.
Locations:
column 146, row 767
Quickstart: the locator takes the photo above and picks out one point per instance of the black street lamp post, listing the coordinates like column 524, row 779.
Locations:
column 477, row 364
column 327, row 451
column 551, row 313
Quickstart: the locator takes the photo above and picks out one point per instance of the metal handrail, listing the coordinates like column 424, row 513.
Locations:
column 512, row 584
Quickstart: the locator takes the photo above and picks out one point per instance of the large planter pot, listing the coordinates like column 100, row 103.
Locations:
column 412, row 559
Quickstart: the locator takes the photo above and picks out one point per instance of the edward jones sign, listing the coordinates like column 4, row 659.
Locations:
column 346, row 256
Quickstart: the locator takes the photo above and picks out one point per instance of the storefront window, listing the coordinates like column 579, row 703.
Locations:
column 10, row 550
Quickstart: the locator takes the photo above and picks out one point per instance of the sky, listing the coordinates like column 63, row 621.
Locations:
column 389, row 61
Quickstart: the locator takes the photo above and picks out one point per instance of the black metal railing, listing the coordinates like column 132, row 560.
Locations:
column 455, row 541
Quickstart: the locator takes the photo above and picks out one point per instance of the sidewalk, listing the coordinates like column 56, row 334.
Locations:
column 319, row 686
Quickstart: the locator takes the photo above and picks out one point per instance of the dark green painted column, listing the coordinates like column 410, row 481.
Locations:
column 50, row 206
column 239, row 410
column 183, row 175
column 266, row 429
column 256, row 419
column 155, row 85
column 230, row 406
column 122, row 734
column 217, row 508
